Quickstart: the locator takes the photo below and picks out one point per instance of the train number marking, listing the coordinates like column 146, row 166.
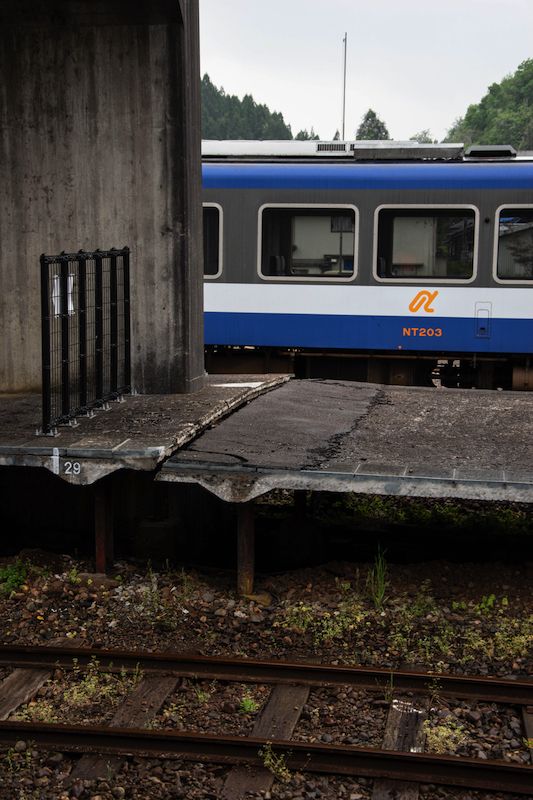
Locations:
column 72, row 467
column 422, row 332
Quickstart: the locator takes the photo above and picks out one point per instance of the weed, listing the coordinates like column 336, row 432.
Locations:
column 388, row 689
column 343, row 586
column 13, row 576
column 323, row 626
column 173, row 712
column 489, row 603
column 92, row 683
column 153, row 607
column 377, row 580
column 73, row 576
column 459, row 605
column 446, row 737
column 424, row 602
column 434, row 688
column 513, row 638
column 202, row 695
column 19, row 761
column 298, row 617
column 37, row 711
column 275, row 763
column 248, row 705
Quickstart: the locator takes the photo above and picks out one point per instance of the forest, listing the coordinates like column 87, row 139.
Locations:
column 504, row 115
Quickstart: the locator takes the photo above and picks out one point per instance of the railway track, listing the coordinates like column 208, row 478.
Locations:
column 399, row 766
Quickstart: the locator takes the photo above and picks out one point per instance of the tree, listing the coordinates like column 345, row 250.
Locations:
column 305, row 135
column 372, row 127
column 226, row 117
column 503, row 116
column 423, row 137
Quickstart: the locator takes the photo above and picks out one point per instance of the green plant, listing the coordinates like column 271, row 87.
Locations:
column 424, row 602
column 73, row 576
column 388, row 689
column 154, row 607
column 434, row 688
column 377, row 580
column 92, row 682
column 323, row 626
column 446, row 737
column 40, row 710
column 298, row 617
column 489, row 603
column 275, row 763
column 17, row 761
column 202, row 695
column 13, row 576
column 173, row 712
column 248, row 705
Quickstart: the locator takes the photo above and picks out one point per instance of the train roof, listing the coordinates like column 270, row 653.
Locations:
column 350, row 151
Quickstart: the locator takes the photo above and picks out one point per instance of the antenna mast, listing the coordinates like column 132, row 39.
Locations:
column 345, row 40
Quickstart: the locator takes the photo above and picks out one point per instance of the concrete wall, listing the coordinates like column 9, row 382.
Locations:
column 100, row 147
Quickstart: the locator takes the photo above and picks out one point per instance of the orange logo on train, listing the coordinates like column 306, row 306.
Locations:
column 423, row 299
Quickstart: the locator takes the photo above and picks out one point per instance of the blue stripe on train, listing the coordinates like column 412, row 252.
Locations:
column 368, row 176
column 368, row 332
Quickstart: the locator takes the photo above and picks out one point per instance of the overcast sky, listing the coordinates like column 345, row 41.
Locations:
column 418, row 64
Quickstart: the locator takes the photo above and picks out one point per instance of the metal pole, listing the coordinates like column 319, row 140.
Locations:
column 127, row 323
column 65, row 337
column 45, row 346
column 82, row 329
column 98, row 328
column 345, row 40
column 113, row 331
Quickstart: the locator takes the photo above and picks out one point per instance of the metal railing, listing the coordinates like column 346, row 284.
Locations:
column 85, row 310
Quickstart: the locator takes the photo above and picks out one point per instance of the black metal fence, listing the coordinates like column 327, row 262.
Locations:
column 85, row 302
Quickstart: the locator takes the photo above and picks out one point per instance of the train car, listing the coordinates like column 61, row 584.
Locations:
column 384, row 259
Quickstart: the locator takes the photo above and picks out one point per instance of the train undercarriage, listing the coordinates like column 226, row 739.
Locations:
column 460, row 370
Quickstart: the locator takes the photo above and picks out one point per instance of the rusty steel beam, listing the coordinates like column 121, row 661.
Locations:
column 333, row 759
column 517, row 692
column 103, row 526
column 245, row 549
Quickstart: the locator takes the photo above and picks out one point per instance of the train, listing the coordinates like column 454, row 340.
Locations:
column 392, row 262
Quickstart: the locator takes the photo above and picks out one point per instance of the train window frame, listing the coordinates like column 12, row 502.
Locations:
column 495, row 276
column 309, row 278
column 415, row 280
column 217, row 274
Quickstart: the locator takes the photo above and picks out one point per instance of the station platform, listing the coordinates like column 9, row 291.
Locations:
column 138, row 433
column 341, row 436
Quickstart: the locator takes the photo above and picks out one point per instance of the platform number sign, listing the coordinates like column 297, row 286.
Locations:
column 71, row 467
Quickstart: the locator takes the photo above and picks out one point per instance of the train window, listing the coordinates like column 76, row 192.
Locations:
column 515, row 244
column 422, row 243
column 308, row 242
column 212, row 219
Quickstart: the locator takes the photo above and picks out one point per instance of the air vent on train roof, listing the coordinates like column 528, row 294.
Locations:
column 331, row 147
column 490, row 151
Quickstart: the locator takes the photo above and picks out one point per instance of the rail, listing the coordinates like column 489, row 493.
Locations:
column 397, row 760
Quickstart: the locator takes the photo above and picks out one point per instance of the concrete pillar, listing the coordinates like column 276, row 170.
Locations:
column 99, row 148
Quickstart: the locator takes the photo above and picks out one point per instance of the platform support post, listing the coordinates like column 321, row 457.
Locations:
column 103, row 526
column 300, row 504
column 245, row 548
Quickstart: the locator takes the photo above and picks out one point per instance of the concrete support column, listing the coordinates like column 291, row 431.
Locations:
column 99, row 148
